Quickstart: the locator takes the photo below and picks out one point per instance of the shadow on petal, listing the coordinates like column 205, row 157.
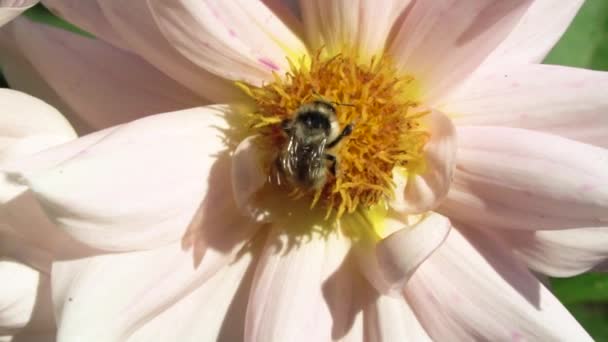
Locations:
column 347, row 293
column 217, row 223
column 42, row 319
column 495, row 253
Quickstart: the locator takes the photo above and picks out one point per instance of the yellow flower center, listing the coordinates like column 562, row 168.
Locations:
column 374, row 98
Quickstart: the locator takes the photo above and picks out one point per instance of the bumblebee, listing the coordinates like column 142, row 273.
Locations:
column 314, row 129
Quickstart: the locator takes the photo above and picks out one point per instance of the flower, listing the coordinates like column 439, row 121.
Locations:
column 149, row 222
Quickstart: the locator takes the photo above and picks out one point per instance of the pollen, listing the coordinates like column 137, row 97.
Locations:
column 375, row 98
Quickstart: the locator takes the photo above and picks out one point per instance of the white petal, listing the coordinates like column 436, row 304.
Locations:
column 88, row 16
column 135, row 23
column 248, row 175
column 140, row 184
column 514, row 178
column 9, row 9
column 391, row 262
column 213, row 311
column 566, row 101
column 400, row 254
column 237, row 40
column 424, row 192
column 302, row 290
column 28, row 125
column 536, row 33
column 106, row 86
column 25, row 301
column 442, row 42
column 473, row 289
column 26, row 234
column 362, row 24
column 390, row 319
column 127, row 290
column 559, row 253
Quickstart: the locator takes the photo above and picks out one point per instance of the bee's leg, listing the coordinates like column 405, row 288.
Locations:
column 286, row 125
column 275, row 174
column 332, row 159
column 348, row 129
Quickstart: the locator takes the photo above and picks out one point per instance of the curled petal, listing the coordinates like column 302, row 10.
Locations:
column 423, row 192
column 248, row 174
column 560, row 253
column 9, row 9
column 401, row 253
column 471, row 288
column 105, row 86
column 566, row 101
column 515, row 178
column 237, row 40
column 397, row 256
column 364, row 24
column 104, row 197
column 466, row 31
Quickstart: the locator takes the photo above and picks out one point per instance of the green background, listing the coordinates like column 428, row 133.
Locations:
column 585, row 45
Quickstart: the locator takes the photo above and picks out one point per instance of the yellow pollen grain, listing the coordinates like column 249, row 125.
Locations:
column 373, row 97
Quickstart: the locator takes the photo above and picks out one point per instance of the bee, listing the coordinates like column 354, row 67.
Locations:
column 314, row 129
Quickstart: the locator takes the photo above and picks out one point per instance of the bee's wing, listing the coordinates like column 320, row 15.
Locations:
column 317, row 159
column 291, row 159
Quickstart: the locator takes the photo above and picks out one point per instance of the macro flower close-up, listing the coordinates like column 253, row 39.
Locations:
column 393, row 170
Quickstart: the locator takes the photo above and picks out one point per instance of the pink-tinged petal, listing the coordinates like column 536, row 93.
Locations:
column 401, row 253
column 25, row 301
column 536, row 33
column 471, row 288
column 140, row 185
column 389, row 263
column 15, row 247
column 105, row 86
column 212, row 311
column 28, row 125
column 441, row 42
column 515, row 178
column 362, row 24
column 566, row 101
column 26, row 233
column 88, row 16
column 302, row 290
column 10, row 9
column 425, row 191
column 390, row 319
column 559, row 253
column 128, row 290
column 135, row 23
column 248, row 176
column 237, row 40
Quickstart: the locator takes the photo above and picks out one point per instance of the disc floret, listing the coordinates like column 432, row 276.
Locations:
column 378, row 101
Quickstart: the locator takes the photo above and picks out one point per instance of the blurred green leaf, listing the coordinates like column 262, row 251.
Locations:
column 585, row 44
column 41, row 14
column 594, row 317
column 590, row 287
